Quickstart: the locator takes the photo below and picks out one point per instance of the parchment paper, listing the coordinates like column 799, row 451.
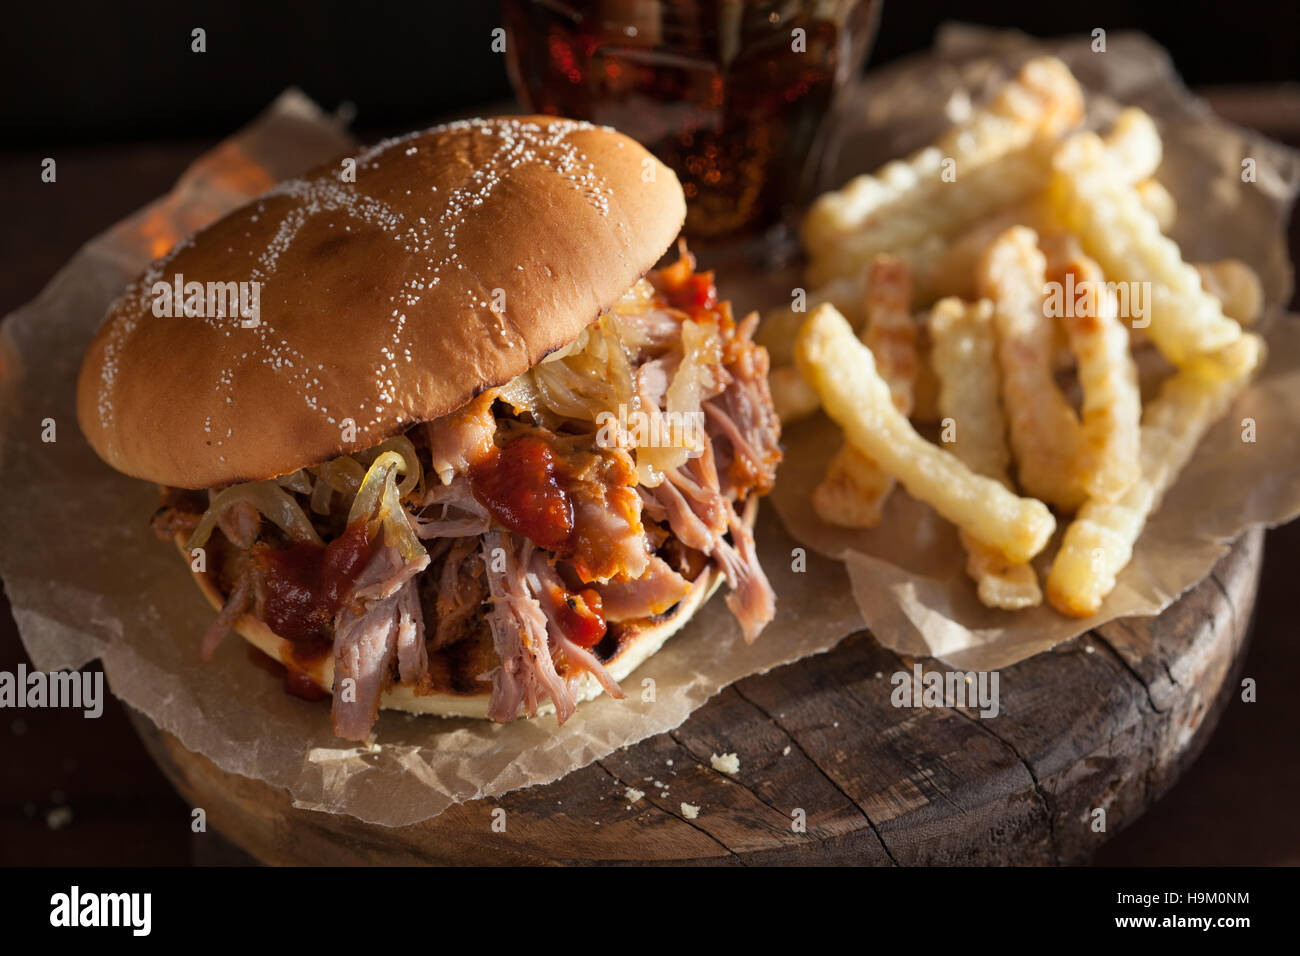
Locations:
column 87, row 579
column 908, row 573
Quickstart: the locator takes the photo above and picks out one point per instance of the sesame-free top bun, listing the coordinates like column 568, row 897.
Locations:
column 458, row 259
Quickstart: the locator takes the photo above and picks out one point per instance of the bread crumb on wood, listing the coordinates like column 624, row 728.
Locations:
column 727, row 763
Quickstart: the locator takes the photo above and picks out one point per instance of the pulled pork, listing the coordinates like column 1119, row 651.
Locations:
column 380, row 623
column 592, row 489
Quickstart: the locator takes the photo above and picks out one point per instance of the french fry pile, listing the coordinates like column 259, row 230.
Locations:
column 965, row 285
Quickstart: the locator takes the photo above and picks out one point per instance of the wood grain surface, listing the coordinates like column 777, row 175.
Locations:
column 1105, row 721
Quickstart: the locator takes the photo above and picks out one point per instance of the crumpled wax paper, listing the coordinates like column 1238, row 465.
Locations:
column 87, row 579
column 908, row 573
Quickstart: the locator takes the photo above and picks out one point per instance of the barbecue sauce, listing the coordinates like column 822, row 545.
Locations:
column 580, row 616
column 520, row 484
column 682, row 288
column 523, row 486
column 306, row 584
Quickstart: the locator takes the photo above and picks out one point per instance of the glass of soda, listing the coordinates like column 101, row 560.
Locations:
column 733, row 95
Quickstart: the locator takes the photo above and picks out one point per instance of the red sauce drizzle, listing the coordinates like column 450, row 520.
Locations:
column 687, row 290
column 581, row 616
column 306, row 584
column 520, row 486
column 698, row 294
column 523, row 487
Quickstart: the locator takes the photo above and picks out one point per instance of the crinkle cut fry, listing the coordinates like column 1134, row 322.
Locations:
column 942, row 212
column 843, row 371
column 1044, row 429
column 944, row 265
column 963, row 346
column 1098, row 544
column 854, row 491
column 1041, row 102
column 1090, row 198
column 890, row 331
column 1107, row 462
column 792, row 397
column 1236, row 286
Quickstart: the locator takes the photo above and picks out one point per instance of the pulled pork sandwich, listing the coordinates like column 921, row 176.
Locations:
column 470, row 456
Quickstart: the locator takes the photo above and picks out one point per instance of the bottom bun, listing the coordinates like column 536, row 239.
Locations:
column 452, row 688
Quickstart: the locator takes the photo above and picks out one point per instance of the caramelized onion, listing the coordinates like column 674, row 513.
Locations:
column 581, row 384
column 274, row 503
column 411, row 472
column 343, row 474
column 397, row 523
column 321, row 496
column 296, row 481
column 379, row 498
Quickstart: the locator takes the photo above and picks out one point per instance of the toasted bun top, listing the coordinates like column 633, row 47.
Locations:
column 457, row 260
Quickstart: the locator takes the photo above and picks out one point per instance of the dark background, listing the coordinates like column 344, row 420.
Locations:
column 124, row 71
column 115, row 93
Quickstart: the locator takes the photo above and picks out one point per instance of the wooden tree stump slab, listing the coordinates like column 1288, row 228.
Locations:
column 1105, row 721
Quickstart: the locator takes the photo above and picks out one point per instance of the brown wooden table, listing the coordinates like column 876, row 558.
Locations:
column 79, row 792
